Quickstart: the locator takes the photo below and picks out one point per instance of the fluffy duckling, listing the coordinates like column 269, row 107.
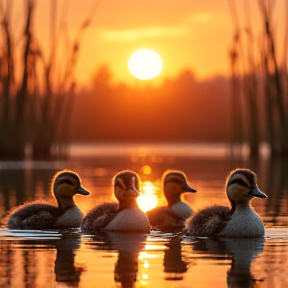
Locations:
column 238, row 221
column 172, row 217
column 41, row 215
column 124, row 216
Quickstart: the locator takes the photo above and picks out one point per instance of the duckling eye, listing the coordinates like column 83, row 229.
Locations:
column 174, row 180
column 177, row 181
column 67, row 181
column 240, row 182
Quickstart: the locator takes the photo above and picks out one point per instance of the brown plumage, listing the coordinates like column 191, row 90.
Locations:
column 240, row 220
column 124, row 216
column 99, row 216
column 42, row 215
column 172, row 217
column 165, row 220
column 210, row 221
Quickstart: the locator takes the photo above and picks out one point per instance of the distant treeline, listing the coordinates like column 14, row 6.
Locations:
column 181, row 109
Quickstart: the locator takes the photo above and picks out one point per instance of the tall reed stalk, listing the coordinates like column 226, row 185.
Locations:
column 36, row 110
column 237, row 137
column 269, row 71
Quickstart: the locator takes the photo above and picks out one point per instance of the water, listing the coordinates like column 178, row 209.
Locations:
column 72, row 259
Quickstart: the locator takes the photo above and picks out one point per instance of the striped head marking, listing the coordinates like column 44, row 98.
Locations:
column 176, row 182
column 242, row 186
column 67, row 183
column 126, row 184
column 119, row 182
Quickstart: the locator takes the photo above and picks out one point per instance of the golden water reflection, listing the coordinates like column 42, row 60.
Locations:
column 157, row 260
column 139, row 260
column 148, row 198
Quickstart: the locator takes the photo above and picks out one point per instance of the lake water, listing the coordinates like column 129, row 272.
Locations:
column 72, row 259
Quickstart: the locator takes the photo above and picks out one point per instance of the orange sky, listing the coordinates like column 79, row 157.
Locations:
column 189, row 34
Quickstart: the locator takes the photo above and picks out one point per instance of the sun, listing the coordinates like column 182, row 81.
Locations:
column 145, row 64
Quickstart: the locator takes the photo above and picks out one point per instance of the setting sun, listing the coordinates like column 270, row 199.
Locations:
column 145, row 64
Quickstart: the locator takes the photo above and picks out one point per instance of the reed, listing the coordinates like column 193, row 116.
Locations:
column 236, row 127
column 236, row 122
column 262, row 77
column 274, row 87
column 36, row 109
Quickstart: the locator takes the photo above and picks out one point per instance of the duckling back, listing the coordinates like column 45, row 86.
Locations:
column 37, row 215
column 209, row 221
column 44, row 216
column 99, row 216
column 164, row 219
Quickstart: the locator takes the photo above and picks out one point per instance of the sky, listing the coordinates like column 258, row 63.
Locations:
column 187, row 34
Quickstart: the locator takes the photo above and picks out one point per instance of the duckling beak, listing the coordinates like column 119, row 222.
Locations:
column 82, row 191
column 188, row 188
column 131, row 190
column 131, row 193
column 255, row 192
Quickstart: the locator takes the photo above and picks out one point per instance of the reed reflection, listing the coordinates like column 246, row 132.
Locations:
column 277, row 186
column 29, row 259
column 128, row 245
column 242, row 253
column 25, row 265
column 5, row 264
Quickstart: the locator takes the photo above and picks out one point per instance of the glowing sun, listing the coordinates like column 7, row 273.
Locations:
column 145, row 64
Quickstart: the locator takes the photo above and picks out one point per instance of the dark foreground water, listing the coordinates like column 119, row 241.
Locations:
column 72, row 259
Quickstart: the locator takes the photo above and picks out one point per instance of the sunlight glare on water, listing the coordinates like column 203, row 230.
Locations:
column 148, row 198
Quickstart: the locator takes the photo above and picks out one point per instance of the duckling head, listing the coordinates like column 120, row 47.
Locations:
column 65, row 185
column 126, row 188
column 241, row 187
column 174, row 184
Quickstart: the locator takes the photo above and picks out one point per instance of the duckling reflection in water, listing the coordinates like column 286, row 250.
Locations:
column 127, row 265
column 174, row 265
column 124, row 216
column 242, row 252
column 65, row 268
column 238, row 221
column 129, row 246
column 171, row 218
column 42, row 215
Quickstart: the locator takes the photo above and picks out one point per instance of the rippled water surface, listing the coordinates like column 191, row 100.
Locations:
column 72, row 259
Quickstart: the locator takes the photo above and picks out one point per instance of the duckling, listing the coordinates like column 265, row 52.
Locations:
column 42, row 215
column 240, row 220
column 172, row 217
column 124, row 216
